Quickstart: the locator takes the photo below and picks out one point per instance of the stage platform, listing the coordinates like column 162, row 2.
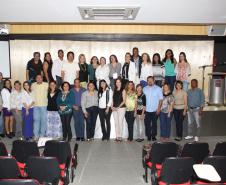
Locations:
column 214, row 121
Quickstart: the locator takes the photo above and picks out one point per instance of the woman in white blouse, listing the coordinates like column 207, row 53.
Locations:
column 27, row 111
column 105, row 102
column 102, row 72
column 7, row 114
column 146, row 69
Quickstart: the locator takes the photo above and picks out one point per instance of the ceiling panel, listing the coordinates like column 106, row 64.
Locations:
column 151, row 11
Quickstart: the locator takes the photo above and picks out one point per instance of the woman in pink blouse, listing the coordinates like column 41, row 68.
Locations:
column 183, row 70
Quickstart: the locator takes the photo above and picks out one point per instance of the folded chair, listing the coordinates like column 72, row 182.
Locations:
column 176, row 171
column 3, row 150
column 18, row 182
column 159, row 151
column 44, row 169
column 62, row 151
column 8, row 168
column 219, row 163
column 197, row 150
column 21, row 150
column 220, row 149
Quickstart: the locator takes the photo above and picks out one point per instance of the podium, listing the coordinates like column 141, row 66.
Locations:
column 217, row 88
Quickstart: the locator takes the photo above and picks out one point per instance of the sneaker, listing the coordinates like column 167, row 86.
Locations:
column 196, row 139
column 178, row 139
column 188, row 137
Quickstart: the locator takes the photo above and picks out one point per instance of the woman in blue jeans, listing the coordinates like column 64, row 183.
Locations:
column 90, row 109
column 169, row 63
column 166, row 113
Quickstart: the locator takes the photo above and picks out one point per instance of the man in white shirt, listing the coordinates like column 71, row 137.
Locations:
column 16, row 108
column 57, row 67
column 70, row 69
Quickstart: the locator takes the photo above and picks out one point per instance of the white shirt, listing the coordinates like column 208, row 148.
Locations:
column 15, row 100
column 102, row 99
column 70, row 71
column 6, row 98
column 57, row 67
column 146, row 71
column 132, row 71
column 102, row 73
column 27, row 98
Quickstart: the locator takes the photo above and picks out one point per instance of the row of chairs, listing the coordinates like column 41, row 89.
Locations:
column 53, row 165
column 160, row 152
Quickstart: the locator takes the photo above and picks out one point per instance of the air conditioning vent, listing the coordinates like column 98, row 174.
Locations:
column 217, row 30
column 108, row 13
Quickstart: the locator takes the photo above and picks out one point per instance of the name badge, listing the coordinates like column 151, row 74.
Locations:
column 115, row 75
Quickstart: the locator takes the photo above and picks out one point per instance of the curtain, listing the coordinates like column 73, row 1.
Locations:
column 198, row 53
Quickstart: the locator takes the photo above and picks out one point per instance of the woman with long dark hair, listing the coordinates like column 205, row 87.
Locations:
column 6, row 109
column 166, row 113
column 105, row 102
column 90, row 109
column 54, row 126
column 65, row 101
column 27, row 110
column 119, row 108
column 183, row 70
column 170, row 62
column 47, row 67
column 179, row 109
column 140, row 112
column 131, row 104
column 94, row 63
column 115, row 70
column 158, row 69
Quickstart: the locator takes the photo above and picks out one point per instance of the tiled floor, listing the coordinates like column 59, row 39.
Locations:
column 111, row 163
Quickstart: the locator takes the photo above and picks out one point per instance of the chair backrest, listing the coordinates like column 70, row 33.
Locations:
column 3, row 150
column 197, row 150
column 8, row 168
column 177, row 170
column 162, row 150
column 220, row 149
column 18, row 182
column 59, row 149
column 22, row 149
column 219, row 163
column 43, row 169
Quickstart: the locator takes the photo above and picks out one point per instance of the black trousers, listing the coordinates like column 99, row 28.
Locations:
column 66, row 125
column 150, row 122
column 91, row 121
column 105, row 123
column 130, row 122
column 179, row 118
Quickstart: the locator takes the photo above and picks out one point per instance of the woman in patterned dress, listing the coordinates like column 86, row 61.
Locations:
column 54, row 126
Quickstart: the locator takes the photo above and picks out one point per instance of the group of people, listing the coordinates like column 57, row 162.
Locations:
column 141, row 91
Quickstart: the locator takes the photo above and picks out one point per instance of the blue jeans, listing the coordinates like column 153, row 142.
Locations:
column 39, row 115
column 79, row 123
column 91, row 121
column 1, row 123
column 165, row 124
column 171, row 81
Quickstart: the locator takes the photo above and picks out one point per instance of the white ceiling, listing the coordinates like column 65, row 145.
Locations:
column 151, row 11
